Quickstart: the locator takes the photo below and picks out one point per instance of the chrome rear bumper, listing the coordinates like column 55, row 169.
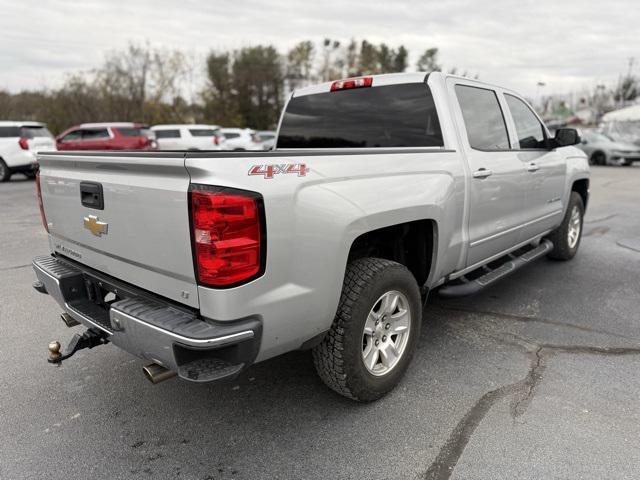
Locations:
column 147, row 325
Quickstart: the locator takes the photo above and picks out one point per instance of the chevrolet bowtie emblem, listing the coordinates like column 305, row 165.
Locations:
column 95, row 226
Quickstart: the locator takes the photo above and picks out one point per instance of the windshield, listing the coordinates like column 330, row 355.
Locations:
column 388, row 116
column 623, row 131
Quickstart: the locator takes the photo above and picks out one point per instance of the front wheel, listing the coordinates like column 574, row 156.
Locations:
column 598, row 158
column 566, row 238
column 375, row 332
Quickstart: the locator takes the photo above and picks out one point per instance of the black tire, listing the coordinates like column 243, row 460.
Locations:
column 338, row 359
column 598, row 158
column 5, row 172
column 562, row 249
column 30, row 174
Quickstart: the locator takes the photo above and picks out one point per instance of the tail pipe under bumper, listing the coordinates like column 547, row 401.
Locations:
column 177, row 340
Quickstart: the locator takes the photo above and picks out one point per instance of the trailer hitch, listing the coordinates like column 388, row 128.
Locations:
column 89, row 339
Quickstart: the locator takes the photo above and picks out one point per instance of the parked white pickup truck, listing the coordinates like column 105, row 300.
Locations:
column 380, row 190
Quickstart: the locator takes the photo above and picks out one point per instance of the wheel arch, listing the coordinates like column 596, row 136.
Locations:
column 581, row 186
column 411, row 243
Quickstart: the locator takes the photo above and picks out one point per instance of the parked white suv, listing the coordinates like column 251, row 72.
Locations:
column 189, row 137
column 268, row 139
column 19, row 143
column 241, row 139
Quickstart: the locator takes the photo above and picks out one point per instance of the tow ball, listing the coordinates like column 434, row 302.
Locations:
column 89, row 339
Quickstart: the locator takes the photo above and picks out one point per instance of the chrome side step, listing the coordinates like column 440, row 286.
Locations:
column 464, row 286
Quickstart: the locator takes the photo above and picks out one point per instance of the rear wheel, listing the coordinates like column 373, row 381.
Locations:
column 598, row 158
column 566, row 238
column 5, row 173
column 375, row 332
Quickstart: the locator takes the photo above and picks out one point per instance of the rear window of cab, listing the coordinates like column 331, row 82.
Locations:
column 387, row 116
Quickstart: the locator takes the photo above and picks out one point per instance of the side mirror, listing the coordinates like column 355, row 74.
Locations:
column 566, row 137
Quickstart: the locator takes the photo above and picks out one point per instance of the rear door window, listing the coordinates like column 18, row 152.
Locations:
column 483, row 119
column 388, row 116
column 95, row 134
column 167, row 133
column 6, row 132
column 130, row 132
column 231, row 135
column 528, row 128
column 201, row 132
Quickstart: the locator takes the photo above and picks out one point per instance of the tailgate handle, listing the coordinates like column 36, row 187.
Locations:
column 91, row 195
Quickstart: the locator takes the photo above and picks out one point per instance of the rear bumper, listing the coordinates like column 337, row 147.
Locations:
column 149, row 326
column 23, row 160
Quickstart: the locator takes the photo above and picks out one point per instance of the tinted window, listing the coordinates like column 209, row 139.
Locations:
column 9, row 132
column 95, row 134
column 483, row 118
column 201, row 132
column 35, row 131
column 528, row 127
column 388, row 116
column 130, row 132
column 167, row 133
column 231, row 135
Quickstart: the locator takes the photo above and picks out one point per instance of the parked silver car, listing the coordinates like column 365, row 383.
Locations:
column 603, row 150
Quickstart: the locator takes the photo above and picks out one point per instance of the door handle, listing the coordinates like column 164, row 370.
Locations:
column 482, row 173
column 533, row 167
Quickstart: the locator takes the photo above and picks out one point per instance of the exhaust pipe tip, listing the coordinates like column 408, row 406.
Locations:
column 157, row 373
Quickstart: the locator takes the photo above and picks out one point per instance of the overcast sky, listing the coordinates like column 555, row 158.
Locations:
column 569, row 45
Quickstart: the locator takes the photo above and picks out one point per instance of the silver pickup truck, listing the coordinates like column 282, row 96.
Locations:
column 380, row 190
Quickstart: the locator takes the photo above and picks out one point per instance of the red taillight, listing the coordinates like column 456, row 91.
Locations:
column 349, row 83
column 216, row 140
column 24, row 143
column 40, row 204
column 227, row 235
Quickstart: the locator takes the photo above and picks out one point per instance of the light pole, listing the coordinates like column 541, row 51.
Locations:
column 538, row 86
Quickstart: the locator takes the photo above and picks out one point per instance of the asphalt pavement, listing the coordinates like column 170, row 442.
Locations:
column 536, row 377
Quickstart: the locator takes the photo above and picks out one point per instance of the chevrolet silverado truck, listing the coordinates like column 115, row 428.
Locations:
column 380, row 190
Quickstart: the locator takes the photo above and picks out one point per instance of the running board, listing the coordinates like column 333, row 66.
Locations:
column 469, row 287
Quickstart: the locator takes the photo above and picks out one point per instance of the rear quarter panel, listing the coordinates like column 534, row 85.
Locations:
column 312, row 221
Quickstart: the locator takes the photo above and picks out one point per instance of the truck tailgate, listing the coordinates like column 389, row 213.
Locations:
column 140, row 235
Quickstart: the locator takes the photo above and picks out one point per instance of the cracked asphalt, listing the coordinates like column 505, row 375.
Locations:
column 536, row 377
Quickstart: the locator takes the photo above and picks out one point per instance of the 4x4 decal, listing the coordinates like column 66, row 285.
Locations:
column 268, row 171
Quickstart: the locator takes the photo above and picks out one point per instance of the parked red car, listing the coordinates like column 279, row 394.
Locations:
column 107, row 136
